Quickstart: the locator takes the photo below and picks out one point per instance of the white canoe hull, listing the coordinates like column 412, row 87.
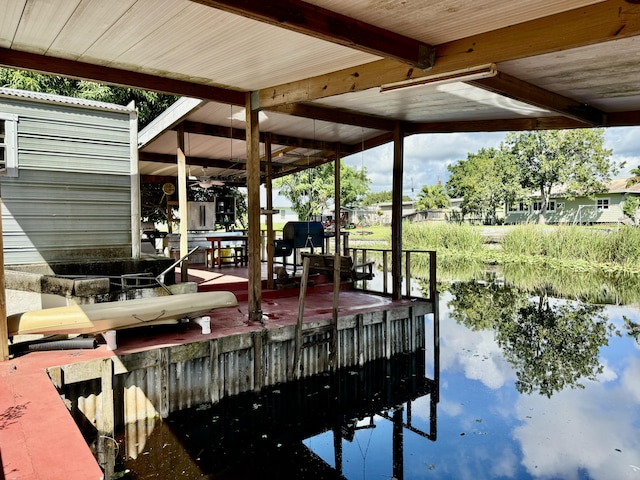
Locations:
column 101, row 317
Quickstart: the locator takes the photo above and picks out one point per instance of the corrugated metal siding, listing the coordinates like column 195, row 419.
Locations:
column 204, row 372
column 72, row 198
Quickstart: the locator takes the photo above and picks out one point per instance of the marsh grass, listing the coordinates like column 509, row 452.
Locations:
column 441, row 237
column 572, row 248
column 575, row 245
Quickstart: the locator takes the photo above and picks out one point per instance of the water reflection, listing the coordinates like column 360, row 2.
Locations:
column 526, row 386
column 281, row 433
column 551, row 345
column 596, row 287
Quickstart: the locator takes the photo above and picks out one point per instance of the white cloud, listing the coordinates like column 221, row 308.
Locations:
column 557, row 432
column 428, row 155
column 475, row 353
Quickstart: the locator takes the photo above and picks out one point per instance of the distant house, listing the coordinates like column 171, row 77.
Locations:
column 604, row 208
column 69, row 182
column 384, row 211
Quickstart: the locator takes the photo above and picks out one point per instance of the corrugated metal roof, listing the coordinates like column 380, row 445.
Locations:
column 51, row 98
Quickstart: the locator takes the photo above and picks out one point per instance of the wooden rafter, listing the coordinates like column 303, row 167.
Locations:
column 525, row 92
column 239, row 134
column 318, row 22
column 115, row 76
column 601, row 22
column 335, row 116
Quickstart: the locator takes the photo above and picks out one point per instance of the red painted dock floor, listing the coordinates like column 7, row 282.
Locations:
column 38, row 437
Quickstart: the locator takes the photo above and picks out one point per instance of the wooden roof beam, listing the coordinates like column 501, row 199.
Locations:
column 504, row 125
column 115, row 76
column 335, row 116
column 318, row 22
column 600, row 22
column 239, row 134
column 522, row 91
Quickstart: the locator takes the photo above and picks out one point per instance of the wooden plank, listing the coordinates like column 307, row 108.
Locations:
column 318, row 22
column 189, row 351
column 509, row 86
column 396, row 212
column 163, row 375
column 601, row 22
column 298, row 340
column 182, row 204
column 115, row 76
column 106, row 420
column 337, row 267
column 269, row 193
column 258, row 368
column 83, row 371
column 254, row 301
column 214, row 366
column 4, row 327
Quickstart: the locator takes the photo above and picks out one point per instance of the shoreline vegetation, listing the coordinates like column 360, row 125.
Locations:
column 615, row 249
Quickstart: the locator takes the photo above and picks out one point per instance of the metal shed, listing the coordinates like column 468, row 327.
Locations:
column 68, row 192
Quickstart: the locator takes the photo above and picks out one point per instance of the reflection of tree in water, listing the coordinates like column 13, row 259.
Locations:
column 633, row 328
column 550, row 345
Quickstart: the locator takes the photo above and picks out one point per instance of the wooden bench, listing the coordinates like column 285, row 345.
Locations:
column 325, row 264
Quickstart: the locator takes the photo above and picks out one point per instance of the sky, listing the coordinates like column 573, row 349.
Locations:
column 428, row 155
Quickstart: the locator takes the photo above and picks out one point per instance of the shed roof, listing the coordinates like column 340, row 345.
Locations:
column 61, row 99
column 316, row 68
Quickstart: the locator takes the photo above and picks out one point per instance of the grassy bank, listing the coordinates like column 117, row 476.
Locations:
column 577, row 248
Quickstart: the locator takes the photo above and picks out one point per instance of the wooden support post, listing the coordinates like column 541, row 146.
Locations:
column 269, row 216
column 163, row 373
column 333, row 346
column 387, row 334
column 254, row 298
column 106, row 420
column 4, row 327
column 298, row 340
column 396, row 212
column 182, row 204
column 258, row 372
column 385, row 271
column 214, row 367
column 407, row 273
column 360, row 335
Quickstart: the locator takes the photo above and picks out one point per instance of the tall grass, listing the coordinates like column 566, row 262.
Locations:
column 619, row 246
column 429, row 236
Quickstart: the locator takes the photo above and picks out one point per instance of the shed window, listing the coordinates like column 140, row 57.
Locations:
column 8, row 145
column 603, row 204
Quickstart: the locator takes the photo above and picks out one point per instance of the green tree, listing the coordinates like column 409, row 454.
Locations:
column 485, row 181
column 575, row 160
column 636, row 176
column 149, row 104
column 432, row 197
column 312, row 191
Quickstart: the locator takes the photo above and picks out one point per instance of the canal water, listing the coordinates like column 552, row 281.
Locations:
column 525, row 385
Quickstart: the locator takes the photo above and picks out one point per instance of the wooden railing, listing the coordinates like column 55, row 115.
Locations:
column 382, row 257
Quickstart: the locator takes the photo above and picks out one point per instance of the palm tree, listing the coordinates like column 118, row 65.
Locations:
column 432, row 197
column 636, row 176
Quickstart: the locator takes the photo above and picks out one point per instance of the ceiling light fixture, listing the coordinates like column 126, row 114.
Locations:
column 464, row 75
